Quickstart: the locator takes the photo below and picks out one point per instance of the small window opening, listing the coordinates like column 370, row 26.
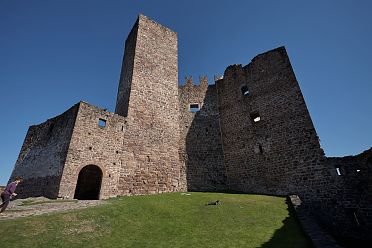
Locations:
column 194, row 107
column 245, row 90
column 338, row 171
column 122, row 128
column 260, row 148
column 255, row 117
column 356, row 219
column 117, row 152
column 90, row 148
column 101, row 122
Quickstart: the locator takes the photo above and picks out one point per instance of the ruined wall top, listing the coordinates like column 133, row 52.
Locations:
column 189, row 83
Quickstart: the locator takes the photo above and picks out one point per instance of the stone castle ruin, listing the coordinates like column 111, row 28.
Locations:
column 249, row 132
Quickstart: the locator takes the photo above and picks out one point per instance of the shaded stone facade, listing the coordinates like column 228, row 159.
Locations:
column 347, row 199
column 43, row 155
column 201, row 152
column 249, row 132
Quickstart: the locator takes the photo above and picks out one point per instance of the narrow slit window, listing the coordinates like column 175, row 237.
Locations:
column 260, row 148
column 194, row 107
column 338, row 171
column 245, row 90
column 255, row 117
column 101, row 122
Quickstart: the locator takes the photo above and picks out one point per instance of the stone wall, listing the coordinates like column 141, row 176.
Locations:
column 95, row 144
column 200, row 141
column 42, row 157
column 150, row 159
column 347, row 199
column 269, row 142
column 125, row 82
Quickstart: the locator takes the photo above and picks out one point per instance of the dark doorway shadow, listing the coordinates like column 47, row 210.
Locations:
column 89, row 183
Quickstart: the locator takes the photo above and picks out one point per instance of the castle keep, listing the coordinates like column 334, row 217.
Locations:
column 248, row 132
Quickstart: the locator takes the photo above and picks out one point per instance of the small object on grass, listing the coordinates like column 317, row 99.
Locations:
column 217, row 202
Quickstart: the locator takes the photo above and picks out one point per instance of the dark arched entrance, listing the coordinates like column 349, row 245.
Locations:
column 89, row 183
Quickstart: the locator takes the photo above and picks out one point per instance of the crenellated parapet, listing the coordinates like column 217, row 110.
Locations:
column 189, row 83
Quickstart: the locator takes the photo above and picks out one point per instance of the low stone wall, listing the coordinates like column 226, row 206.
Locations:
column 347, row 199
column 317, row 235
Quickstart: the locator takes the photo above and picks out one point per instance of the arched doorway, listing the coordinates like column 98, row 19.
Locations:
column 89, row 183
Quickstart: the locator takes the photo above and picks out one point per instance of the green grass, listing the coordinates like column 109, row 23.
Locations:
column 166, row 220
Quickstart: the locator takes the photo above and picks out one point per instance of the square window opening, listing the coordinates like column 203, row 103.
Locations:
column 101, row 122
column 255, row 116
column 194, row 107
column 245, row 90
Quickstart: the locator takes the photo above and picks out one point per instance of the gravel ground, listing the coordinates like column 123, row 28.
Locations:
column 41, row 205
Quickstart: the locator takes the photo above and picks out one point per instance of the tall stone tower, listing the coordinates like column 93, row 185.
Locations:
column 148, row 97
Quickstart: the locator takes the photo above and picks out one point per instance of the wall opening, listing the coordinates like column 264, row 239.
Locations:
column 88, row 185
column 101, row 122
column 255, row 116
column 338, row 171
column 260, row 149
column 245, row 90
column 194, row 107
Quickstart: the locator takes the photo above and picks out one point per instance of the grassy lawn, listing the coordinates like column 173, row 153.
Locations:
column 166, row 220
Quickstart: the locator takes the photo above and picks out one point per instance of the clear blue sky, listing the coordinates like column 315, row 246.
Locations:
column 56, row 53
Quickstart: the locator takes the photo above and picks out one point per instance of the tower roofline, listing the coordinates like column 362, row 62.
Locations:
column 143, row 17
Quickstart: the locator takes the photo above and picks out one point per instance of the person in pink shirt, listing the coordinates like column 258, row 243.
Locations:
column 8, row 193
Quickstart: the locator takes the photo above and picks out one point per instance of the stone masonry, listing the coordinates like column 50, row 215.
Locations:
column 201, row 152
column 249, row 132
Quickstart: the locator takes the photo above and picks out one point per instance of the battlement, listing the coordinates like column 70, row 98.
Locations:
column 203, row 82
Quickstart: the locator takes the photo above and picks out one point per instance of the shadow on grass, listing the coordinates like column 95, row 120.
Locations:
column 291, row 234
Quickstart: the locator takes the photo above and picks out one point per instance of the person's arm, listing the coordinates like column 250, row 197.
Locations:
column 12, row 189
